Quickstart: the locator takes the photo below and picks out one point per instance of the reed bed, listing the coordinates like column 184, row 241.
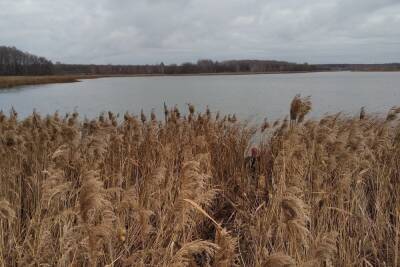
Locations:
column 13, row 81
column 185, row 190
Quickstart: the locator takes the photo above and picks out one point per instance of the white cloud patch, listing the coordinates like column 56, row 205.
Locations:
column 243, row 21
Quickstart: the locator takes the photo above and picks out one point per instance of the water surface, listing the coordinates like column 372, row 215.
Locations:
column 249, row 96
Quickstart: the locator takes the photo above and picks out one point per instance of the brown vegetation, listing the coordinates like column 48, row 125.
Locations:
column 140, row 192
column 13, row 81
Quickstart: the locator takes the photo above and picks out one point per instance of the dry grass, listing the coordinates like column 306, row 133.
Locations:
column 181, row 192
column 13, row 81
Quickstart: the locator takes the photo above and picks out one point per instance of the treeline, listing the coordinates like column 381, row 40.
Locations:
column 16, row 62
column 360, row 67
column 209, row 66
column 202, row 66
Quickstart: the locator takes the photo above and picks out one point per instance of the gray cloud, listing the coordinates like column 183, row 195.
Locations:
column 173, row 31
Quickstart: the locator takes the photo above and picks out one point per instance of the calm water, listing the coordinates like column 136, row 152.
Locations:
column 249, row 96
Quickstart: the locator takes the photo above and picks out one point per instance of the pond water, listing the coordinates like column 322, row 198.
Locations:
column 248, row 96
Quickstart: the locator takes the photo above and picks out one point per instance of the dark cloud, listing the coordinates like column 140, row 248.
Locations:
column 150, row 31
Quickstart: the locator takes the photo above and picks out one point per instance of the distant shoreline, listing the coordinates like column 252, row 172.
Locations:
column 7, row 82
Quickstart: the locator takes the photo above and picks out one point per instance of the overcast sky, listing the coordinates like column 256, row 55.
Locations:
column 174, row 31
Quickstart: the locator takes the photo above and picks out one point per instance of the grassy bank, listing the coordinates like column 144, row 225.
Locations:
column 13, row 81
column 183, row 190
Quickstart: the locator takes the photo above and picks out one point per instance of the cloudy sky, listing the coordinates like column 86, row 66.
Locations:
column 174, row 31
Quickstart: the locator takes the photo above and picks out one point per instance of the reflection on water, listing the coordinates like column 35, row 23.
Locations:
column 249, row 96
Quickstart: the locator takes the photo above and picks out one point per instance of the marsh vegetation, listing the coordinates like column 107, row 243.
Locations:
column 13, row 81
column 182, row 190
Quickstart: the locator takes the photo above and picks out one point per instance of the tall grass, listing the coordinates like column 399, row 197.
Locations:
column 182, row 190
column 13, row 81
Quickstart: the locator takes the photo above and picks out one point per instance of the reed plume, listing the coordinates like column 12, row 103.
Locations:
column 134, row 191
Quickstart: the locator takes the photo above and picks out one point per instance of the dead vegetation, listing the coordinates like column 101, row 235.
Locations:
column 180, row 191
column 13, row 81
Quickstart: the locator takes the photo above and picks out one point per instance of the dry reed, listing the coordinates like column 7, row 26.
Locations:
column 183, row 192
column 13, row 81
